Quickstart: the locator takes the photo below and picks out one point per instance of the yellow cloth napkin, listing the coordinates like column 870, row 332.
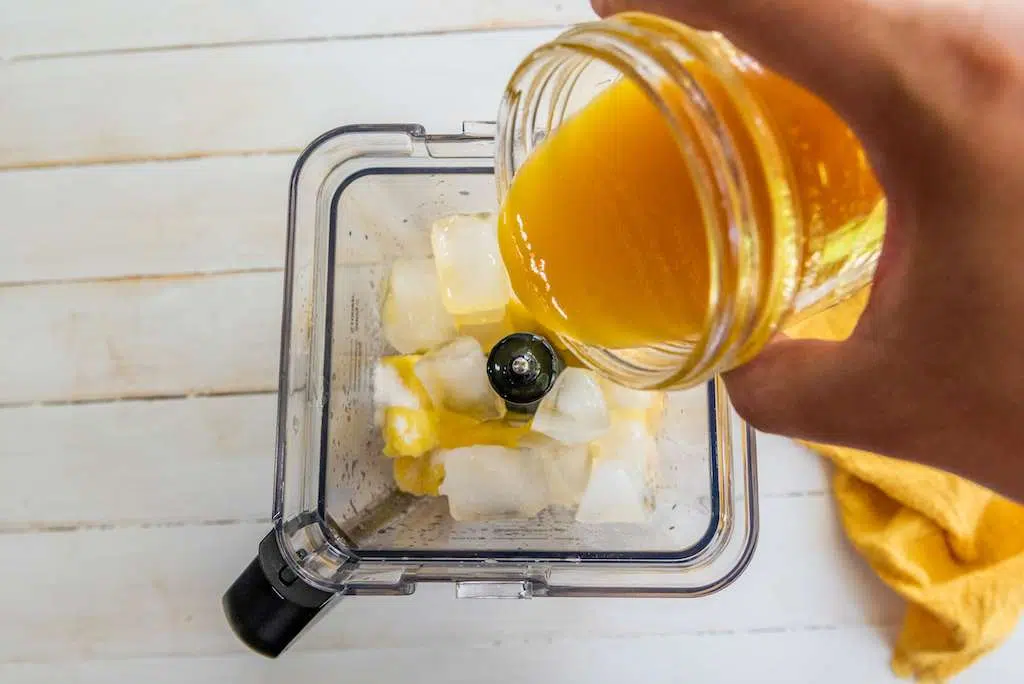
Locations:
column 952, row 549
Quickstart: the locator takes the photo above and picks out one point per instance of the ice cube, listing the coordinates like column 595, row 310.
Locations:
column 474, row 284
column 623, row 476
column 537, row 442
column 625, row 403
column 414, row 316
column 574, row 411
column 493, row 482
column 619, row 397
column 487, row 334
column 395, row 383
column 567, row 469
column 455, row 377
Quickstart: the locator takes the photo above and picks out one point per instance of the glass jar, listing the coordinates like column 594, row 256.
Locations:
column 792, row 216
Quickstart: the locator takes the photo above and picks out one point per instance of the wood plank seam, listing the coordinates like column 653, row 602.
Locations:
column 506, row 642
column 135, row 277
column 143, row 159
column 307, row 40
column 47, row 527
column 126, row 397
column 172, row 113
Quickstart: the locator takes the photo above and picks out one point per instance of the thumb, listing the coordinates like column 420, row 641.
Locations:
column 807, row 389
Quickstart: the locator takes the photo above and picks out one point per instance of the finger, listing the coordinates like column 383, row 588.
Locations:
column 810, row 389
column 843, row 50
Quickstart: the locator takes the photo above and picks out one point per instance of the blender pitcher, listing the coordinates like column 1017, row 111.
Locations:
column 361, row 197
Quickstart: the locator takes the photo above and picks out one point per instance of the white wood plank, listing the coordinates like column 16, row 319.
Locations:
column 179, row 460
column 257, row 98
column 195, row 460
column 48, row 28
column 155, row 591
column 851, row 655
column 77, row 602
column 839, row 656
column 140, row 338
column 168, row 337
column 144, row 219
column 786, row 468
column 54, row 27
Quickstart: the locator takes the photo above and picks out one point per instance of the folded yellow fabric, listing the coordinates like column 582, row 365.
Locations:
column 952, row 549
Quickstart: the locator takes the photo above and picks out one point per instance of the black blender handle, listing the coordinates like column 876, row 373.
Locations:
column 268, row 605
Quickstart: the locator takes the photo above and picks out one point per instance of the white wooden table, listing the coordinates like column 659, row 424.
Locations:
column 145, row 148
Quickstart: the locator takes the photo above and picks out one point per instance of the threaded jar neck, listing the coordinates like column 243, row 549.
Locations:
column 752, row 266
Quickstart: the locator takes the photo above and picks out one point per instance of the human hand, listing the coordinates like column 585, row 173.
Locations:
column 934, row 371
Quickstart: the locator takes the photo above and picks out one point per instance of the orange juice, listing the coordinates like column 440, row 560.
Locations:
column 601, row 230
